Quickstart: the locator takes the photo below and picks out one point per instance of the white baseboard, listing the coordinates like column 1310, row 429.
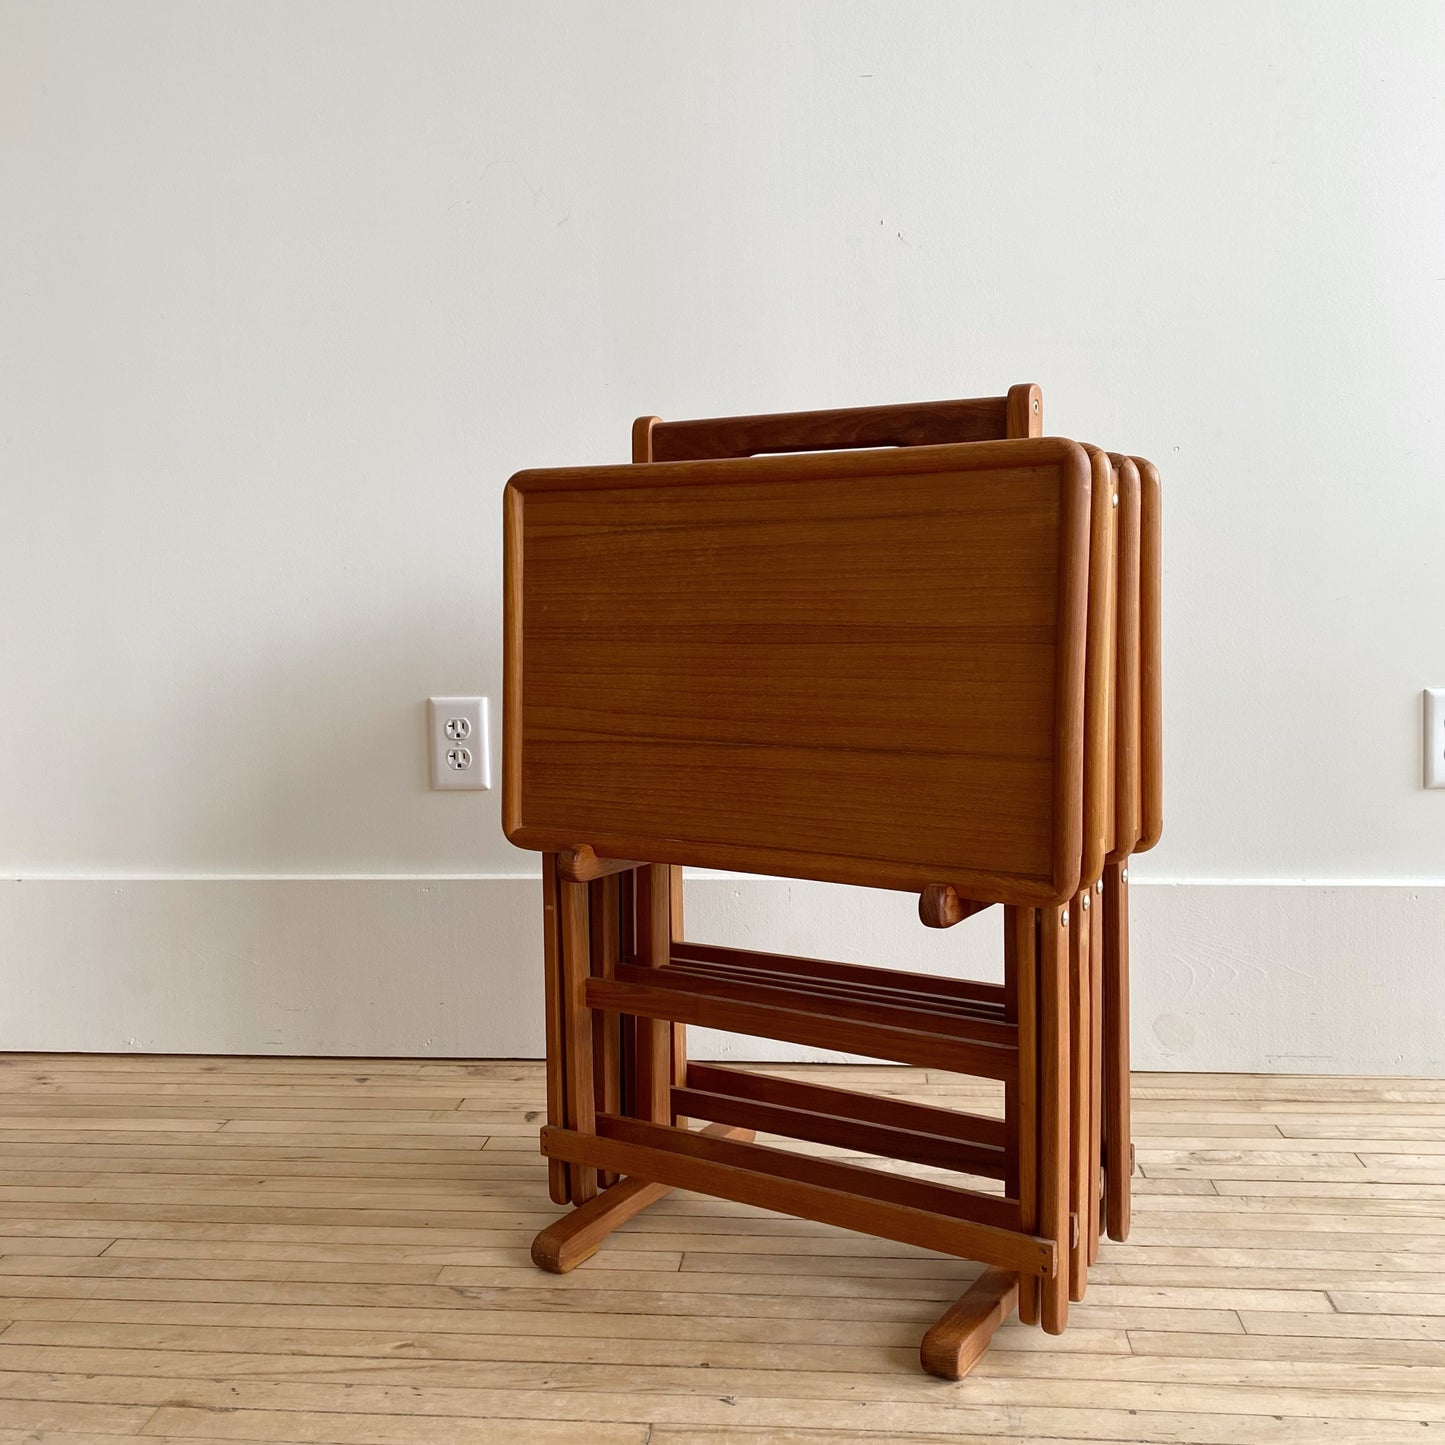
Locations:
column 1277, row 977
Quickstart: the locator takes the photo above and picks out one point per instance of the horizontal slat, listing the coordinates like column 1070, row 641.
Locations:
column 650, row 993
column 869, row 995
column 918, row 986
column 780, row 991
column 866, row 1200
column 845, row 1133
column 849, row 1104
column 974, row 419
column 952, row 1201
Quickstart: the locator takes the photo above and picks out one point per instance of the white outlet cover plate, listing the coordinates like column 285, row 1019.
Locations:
column 1434, row 737
column 458, row 726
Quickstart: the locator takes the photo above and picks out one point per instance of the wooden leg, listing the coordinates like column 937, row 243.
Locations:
column 955, row 1343
column 606, row 1033
column 1118, row 1147
column 576, row 1237
column 1021, row 983
column 581, row 1109
column 1011, row 1086
column 1053, row 1110
column 1082, row 1170
column 1096, row 1073
column 679, row 1031
column 559, row 1176
column 626, row 1024
column 654, row 1036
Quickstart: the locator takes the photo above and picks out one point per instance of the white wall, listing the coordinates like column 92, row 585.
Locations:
column 289, row 289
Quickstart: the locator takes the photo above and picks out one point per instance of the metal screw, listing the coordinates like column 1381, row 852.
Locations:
column 1086, row 903
column 1064, row 919
column 1099, row 886
column 1036, row 406
column 1124, row 876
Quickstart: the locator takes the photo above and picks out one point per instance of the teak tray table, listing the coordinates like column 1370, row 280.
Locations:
column 1019, row 413
column 985, row 564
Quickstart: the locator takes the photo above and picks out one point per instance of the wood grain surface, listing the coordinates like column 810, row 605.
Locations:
column 779, row 665
column 928, row 423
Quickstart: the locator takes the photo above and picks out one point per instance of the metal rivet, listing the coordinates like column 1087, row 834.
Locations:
column 1099, row 886
column 1124, row 876
column 1116, row 499
column 1064, row 919
column 1036, row 406
column 1086, row 903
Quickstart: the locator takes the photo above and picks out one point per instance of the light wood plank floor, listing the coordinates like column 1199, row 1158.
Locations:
column 201, row 1250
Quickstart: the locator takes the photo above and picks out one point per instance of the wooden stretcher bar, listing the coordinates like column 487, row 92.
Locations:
column 911, row 424
column 910, row 1211
column 842, row 1130
column 923, row 987
column 766, row 1014
column 958, row 1125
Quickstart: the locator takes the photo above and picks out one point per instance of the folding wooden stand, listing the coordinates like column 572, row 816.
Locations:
column 892, row 669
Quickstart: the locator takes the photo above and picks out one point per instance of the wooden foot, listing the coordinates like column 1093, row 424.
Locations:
column 576, row 1237
column 953, row 1346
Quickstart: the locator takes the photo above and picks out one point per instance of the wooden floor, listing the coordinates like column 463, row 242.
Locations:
column 336, row 1250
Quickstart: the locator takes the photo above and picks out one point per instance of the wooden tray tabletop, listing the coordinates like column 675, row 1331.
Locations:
column 863, row 667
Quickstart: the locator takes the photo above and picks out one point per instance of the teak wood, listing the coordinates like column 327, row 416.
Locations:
column 908, row 1211
column 1151, row 733
column 933, row 423
column 575, row 1238
column 955, row 1343
column 1047, row 1032
column 823, row 638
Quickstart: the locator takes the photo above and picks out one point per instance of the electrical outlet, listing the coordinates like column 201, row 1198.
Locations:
column 1434, row 731
column 457, row 742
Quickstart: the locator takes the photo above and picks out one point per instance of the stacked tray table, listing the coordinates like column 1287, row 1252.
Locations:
column 904, row 647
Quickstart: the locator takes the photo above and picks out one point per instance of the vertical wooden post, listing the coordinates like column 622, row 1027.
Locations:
column 605, row 896
column 1096, row 1072
column 654, row 1036
column 1053, row 1108
column 559, row 1178
column 1151, row 686
column 1118, row 1147
column 1011, row 1150
column 672, row 875
column 627, row 1025
column 581, row 1108
column 1024, row 415
column 1021, row 962
column 1083, row 1169
column 679, row 1031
